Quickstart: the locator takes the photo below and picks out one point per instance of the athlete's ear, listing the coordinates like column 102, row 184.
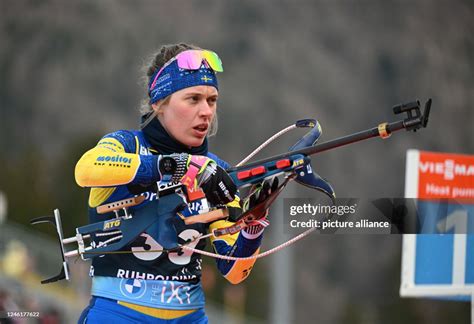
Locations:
column 157, row 107
column 160, row 105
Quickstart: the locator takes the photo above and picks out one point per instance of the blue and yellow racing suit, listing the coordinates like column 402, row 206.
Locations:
column 160, row 284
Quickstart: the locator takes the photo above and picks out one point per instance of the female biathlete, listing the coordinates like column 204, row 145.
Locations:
column 171, row 145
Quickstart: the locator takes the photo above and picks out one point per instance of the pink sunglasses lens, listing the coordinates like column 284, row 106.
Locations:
column 189, row 60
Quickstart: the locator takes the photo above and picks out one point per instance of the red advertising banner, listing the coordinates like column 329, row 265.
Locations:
column 445, row 175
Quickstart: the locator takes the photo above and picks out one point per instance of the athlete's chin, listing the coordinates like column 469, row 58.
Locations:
column 195, row 141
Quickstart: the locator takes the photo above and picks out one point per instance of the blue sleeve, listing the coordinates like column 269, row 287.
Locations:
column 243, row 247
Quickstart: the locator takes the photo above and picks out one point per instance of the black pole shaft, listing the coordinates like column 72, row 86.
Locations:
column 329, row 145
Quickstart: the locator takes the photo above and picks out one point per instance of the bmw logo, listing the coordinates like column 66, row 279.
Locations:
column 132, row 288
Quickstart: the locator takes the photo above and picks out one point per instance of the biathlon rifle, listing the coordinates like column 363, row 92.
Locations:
column 173, row 197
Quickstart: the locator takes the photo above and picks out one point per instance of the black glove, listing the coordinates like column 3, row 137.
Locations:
column 214, row 180
column 217, row 185
column 261, row 193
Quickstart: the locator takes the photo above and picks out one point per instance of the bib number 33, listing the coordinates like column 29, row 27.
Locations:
column 180, row 259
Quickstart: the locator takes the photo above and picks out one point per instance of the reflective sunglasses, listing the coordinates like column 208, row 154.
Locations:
column 192, row 60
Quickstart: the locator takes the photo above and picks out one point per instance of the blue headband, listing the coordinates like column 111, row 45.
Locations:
column 173, row 78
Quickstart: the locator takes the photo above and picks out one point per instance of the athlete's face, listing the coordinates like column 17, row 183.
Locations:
column 188, row 114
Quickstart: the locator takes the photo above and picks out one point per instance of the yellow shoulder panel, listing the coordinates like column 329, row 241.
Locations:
column 111, row 144
column 106, row 165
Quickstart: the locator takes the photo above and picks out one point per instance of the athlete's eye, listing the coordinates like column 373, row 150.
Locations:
column 212, row 101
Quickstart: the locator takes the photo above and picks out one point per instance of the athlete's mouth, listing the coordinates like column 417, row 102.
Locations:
column 201, row 127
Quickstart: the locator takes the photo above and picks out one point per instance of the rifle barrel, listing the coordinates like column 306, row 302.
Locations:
column 329, row 145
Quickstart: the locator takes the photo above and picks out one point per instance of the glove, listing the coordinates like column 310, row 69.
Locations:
column 256, row 227
column 217, row 184
column 200, row 171
column 261, row 193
